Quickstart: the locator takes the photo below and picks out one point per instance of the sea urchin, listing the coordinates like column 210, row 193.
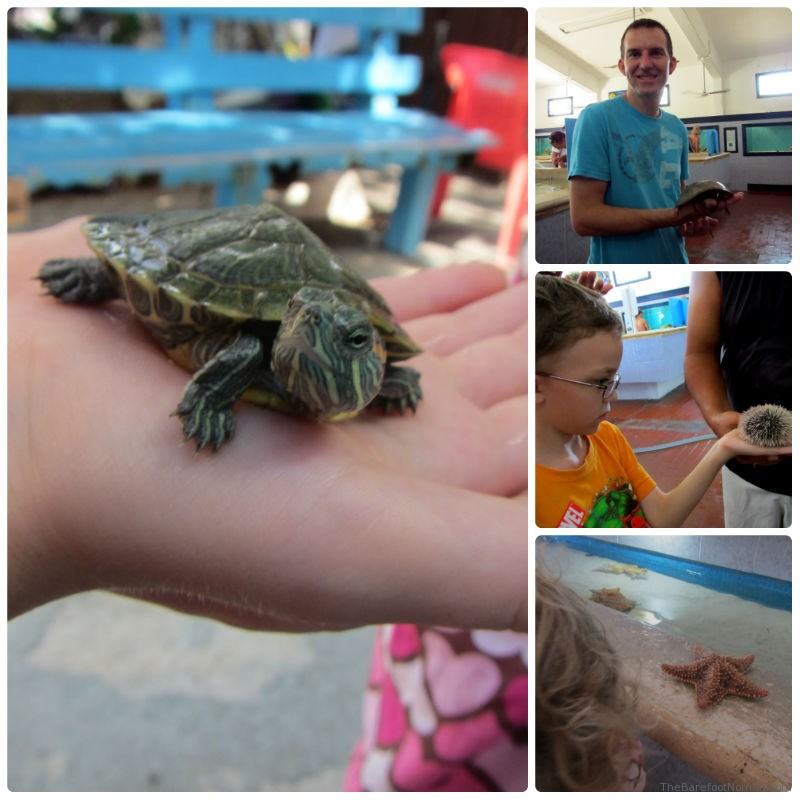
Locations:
column 767, row 426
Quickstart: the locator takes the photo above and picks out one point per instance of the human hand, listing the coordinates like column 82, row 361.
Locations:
column 292, row 525
column 698, row 227
column 727, row 421
column 591, row 280
column 588, row 278
column 734, row 444
column 692, row 222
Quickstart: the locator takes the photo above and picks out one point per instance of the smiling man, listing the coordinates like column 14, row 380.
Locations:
column 630, row 161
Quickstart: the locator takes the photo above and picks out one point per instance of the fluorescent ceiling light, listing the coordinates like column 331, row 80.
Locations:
column 603, row 19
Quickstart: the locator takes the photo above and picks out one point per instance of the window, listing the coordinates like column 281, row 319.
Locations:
column 543, row 146
column 774, row 84
column 664, row 101
column 559, row 106
column 767, row 139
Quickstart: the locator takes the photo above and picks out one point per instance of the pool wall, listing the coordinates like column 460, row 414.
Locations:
column 763, row 589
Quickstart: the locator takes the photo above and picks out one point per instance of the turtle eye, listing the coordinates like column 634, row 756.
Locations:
column 358, row 339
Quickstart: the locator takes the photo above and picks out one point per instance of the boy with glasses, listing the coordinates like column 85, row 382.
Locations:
column 586, row 472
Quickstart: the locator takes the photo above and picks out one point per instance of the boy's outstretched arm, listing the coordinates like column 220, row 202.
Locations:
column 670, row 509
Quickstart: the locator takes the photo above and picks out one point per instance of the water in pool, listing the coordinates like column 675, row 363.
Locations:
column 720, row 621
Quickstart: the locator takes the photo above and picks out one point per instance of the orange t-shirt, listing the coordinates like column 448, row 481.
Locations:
column 604, row 492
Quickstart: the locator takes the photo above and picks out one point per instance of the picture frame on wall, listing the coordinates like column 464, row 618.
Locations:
column 731, row 140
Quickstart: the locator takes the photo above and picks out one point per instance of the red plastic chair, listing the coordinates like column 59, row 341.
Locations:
column 490, row 91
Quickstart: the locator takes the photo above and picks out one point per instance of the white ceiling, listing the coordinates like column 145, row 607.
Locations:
column 732, row 33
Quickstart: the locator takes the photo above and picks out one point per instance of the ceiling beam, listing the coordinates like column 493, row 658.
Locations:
column 695, row 30
column 557, row 57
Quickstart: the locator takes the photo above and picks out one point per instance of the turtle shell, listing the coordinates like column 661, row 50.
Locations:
column 203, row 269
column 704, row 190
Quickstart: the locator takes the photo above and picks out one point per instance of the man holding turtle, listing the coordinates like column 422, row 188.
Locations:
column 630, row 161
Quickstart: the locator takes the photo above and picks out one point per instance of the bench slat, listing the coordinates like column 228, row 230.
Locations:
column 402, row 20
column 51, row 66
column 50, row 146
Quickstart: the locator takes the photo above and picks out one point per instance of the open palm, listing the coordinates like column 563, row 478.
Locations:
column 292, row 525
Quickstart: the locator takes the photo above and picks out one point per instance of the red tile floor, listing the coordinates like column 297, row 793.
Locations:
column 674, row 416
column 758, row 231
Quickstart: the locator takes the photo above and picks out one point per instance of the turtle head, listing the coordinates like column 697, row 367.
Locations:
column 327, row 354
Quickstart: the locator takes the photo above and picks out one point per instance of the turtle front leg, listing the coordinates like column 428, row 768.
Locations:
column 79, row 280
column 206, row 407
column 400, row 390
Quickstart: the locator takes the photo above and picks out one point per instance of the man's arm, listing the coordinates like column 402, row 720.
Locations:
column 591, row 216
column 703, row 343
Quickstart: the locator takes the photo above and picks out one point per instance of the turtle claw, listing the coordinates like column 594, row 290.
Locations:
column 203, row 422
column 400, row 390
column 77, row 280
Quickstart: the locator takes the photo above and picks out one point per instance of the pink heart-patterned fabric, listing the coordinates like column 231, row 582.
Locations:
column 459, row 683
column 446, row 711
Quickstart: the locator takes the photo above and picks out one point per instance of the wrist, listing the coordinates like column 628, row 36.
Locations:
column 720, row 453
column 39, row 567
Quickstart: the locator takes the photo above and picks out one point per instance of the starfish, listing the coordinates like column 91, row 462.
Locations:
column 715, row 676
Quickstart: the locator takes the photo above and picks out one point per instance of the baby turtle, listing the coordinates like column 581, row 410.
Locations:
column 695, row 193
column 253, row 303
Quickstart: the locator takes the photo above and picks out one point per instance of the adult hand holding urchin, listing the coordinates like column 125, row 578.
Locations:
column 767, row 426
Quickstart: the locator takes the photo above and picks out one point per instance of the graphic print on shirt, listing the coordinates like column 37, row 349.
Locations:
column 636, row 154
column 670, row 164
column 616, row 506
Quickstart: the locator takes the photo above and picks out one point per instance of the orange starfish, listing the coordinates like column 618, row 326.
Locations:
column 715, row 676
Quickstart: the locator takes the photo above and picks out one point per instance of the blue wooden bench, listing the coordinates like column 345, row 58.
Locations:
column 190, row 140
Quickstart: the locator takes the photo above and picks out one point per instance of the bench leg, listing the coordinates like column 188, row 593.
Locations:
column 245, row 184
column 410, row 218
column 516, row 204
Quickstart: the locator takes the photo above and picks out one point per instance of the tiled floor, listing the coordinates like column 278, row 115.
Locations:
column 758, row 231
column 673, row 417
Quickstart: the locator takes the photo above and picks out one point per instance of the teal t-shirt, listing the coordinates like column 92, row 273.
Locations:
column 643, row 159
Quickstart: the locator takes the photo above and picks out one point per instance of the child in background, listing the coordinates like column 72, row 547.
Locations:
column 558, row 149
column 445, row 710
column 586, row 472
column 584, row 708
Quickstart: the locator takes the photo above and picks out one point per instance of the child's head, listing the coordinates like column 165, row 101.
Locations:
column 584, row 707
column 578, row 342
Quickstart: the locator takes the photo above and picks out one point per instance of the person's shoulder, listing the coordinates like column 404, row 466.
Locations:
column 673, row 121
column 611, row 436
column 600, row 109
column 607, row 430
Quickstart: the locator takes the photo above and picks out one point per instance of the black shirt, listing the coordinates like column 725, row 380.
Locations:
column 756, row 336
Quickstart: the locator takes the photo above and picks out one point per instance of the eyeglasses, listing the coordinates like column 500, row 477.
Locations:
column 609, row 387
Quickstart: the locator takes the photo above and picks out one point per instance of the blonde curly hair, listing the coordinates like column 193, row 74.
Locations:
column 584, row 707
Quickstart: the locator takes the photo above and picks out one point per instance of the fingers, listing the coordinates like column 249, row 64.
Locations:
column 499, row 313
column 492, row 370
column 509, row 423
column 440, row 290
column 698, row 227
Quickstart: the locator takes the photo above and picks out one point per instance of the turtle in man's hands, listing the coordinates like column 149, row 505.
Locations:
column 695, row 195
column 253, row 303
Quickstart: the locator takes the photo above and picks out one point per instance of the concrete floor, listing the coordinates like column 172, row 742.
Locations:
column 110, row 694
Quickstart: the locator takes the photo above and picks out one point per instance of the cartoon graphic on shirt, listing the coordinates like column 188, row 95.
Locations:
column 616, row 506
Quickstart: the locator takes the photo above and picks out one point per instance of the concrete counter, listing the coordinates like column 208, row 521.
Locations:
column 652, row 363
column 703, row 167
column 741, row 742
column 556, row 241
